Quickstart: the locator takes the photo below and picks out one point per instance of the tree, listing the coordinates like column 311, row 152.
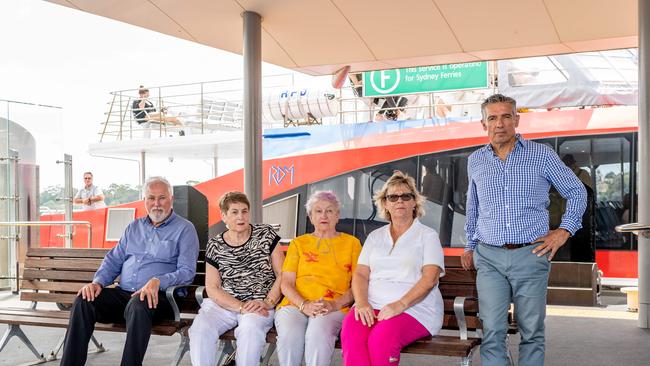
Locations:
column 116, row 194
column 51, row 197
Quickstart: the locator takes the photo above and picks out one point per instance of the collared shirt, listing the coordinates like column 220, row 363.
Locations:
column 507, row 200
column 85, row 193
column 395, row 269
column 167, row 252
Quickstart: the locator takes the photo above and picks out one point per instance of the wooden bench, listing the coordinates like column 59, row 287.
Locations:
column 54, row 275
column 574, row 283
column 458, row 288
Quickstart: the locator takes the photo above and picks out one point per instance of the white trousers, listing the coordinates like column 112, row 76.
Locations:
column 313, row 336
column 213, row 320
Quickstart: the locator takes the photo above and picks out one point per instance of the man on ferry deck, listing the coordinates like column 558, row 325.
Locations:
column 508, row 236
column 155, row 252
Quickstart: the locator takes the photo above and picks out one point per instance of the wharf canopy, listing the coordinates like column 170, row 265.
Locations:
column 318, row 37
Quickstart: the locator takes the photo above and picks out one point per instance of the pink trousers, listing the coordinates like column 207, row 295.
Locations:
column 380, row 344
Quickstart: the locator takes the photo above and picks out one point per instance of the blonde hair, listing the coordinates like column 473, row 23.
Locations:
column 397, row 179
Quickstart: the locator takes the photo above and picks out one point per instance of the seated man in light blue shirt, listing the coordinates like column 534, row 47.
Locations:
column 155, row 252
column 508, row 235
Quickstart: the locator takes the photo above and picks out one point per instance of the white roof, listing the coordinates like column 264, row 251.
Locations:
column 319, row 36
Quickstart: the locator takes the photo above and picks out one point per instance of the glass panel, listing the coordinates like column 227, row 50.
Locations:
column 444, row 183
column 341, row 187
column 606, row 165
column 371, row 181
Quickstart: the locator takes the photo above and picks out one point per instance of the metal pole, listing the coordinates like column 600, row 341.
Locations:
column 14, row 215
column 143, row 172
column 67, row 196
column 644, row 163
column 253, row 112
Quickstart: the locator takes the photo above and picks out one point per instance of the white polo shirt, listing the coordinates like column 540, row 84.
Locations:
column 395, row 270
column 84, row 193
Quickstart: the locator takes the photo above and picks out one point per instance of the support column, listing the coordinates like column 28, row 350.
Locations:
column 644, row 163
column 143, row 172
column 253, row 112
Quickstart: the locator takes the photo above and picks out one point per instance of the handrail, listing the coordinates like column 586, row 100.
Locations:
column 51, row 223
column 634, row 228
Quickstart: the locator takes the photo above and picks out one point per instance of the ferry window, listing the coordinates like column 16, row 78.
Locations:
column 607, row 162
column 370, row 181
column 341, row 187
column 443, row 181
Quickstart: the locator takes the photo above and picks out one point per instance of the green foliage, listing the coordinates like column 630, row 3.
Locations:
column 116, row 194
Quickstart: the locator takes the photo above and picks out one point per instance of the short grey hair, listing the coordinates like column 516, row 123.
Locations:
column 328, row 196
column 498, row 98
column 157, row 179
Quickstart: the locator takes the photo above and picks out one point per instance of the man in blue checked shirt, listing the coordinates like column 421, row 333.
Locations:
column 155, row 252
column 508, row 234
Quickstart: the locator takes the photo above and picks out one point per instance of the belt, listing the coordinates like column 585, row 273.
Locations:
column 510, row 245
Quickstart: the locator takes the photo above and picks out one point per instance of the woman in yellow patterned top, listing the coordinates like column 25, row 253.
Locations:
column 316, row 278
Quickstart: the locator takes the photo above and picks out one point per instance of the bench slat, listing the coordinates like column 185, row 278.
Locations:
column 64, row 264
column 438, row 345
column 453, row 290
column 168, row 329
column 458, row 275
column 452, row 262
column 47, row 297
column 52, row 286
column 67, row 252
column 471, row 305
column 81, row 276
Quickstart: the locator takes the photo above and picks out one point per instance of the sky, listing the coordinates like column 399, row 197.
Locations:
column 57, row 56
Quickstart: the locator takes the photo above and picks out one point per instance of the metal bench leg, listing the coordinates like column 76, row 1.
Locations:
column 13, row 330
column 467, row 361
column 266, row 357
column 99, row 347
column 511, row 361
column 182, row 350
column 226, row 352
column 54, row 353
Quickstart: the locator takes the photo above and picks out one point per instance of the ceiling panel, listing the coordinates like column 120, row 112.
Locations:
column 320, row 36
column 509, row 53
column 409, row 28
column 583, row 20
column 498, row 24
column 312, row 32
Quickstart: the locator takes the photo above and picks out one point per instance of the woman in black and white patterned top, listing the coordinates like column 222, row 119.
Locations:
column 243, row 267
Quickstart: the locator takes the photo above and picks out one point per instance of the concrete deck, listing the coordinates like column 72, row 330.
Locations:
column 575, row 336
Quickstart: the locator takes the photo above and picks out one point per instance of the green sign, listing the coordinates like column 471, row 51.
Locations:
column 425, row 79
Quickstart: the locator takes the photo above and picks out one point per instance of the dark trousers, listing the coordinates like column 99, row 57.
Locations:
column 113, row 305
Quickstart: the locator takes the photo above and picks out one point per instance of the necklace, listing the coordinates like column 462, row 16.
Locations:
column 328, row 248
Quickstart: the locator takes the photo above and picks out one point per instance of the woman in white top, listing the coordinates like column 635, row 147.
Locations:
column 395, row 284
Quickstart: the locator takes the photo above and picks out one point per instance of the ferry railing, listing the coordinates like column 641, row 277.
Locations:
column 634, row 228
column 203, row 107
column 40, row 223
column 209, row 107
column 52, row 223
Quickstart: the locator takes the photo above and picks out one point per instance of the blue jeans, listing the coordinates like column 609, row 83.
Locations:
column 516, row 276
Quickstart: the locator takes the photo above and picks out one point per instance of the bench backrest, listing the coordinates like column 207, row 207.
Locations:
column 459, row 282
column 56, row 274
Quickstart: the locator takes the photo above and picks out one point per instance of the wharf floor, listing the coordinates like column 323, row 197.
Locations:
column 576, row 336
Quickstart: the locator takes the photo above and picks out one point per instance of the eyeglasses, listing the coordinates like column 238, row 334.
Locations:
column 88, row 178
column 405, row 197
